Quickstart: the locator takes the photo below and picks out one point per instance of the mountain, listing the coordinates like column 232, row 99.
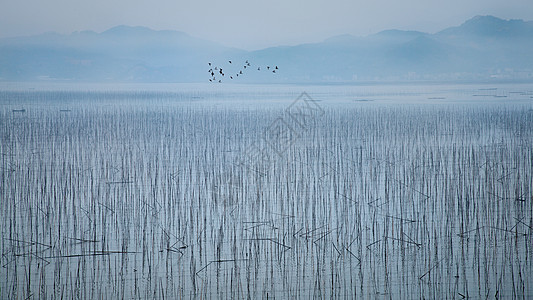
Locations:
column 482, row 48
column 121, row 53
column 490, row 26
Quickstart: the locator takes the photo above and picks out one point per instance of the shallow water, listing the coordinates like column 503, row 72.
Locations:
column 168, row 191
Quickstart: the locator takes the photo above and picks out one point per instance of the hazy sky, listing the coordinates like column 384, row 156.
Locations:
column 252, row 24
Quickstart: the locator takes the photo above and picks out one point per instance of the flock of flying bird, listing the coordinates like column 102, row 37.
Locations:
column 217, row 73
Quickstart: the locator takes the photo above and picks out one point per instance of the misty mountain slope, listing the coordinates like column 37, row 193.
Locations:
column 337, row 58
column 490, row 27
column 120, row 53
column 483, row 47
column 420, row 53
column 486, row 43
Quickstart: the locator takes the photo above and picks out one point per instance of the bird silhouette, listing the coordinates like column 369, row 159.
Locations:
column 218, row 70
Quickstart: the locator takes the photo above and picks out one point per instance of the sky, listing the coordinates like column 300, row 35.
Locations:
column 252, row 24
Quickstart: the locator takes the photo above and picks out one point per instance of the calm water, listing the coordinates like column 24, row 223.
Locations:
column 183, row 191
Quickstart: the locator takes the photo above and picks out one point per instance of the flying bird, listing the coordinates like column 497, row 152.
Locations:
column 216, row 70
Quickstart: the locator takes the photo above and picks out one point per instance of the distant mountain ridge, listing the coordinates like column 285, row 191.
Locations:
column 482, row 48
column 491, row 26
column 121, row 53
